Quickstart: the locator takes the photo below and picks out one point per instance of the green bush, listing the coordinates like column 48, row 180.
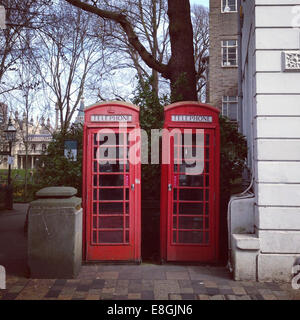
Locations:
column 55, row 169
column 232, row 158
column 151, row 117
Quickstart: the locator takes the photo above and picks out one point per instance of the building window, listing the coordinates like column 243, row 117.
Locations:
column 229, row 6
column 44, row 147
column 230, row 108
column 229, row 53
column 33, row 147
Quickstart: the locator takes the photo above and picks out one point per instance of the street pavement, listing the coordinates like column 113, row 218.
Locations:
column 148, row 281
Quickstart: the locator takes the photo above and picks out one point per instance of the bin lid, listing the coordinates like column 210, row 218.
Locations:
column 56, row 192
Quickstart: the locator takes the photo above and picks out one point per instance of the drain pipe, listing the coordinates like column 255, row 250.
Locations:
column 240, row 69
column 247, row 194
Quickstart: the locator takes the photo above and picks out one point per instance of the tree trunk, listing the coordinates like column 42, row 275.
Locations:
column 181, row 67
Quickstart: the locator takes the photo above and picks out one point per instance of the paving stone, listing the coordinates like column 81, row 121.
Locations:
column 94, row 292
column 257, row 297
column 226, row 291
column 107, row 275
column 147, row 295
column 213, row 291
column 239, row 290
column 122, row 283
column 231, row 297
column 130, row 275
column 60, row 282
column 188, row 296
column 264, row 291
column 203, row 296
column 175, row 296
column 135, row 286
column 72, row 282
column 154, row 275
column 110, row 283
column 269, row 297
column 92, row 297
column 251, row 290
column 98, row 284
column 120, row 297
column 217, row 297
column 9, row 296
column 147, row 285
column 65, row 297
column 166, row 286
column 106, row 296
column 243, row 297
column 108, row 290
column 79, row 295
column 83, row 287
column 177, row 275
column 185, row 283
column 210, row 284
column 16, row 289
column 186, row 290
column 134, row 296
column 53, row 294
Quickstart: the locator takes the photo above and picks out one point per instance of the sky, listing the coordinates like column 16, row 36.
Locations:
column 202, row 2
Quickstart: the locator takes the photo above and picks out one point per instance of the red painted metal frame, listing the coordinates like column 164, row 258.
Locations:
column 190, row 252
column 111, row 252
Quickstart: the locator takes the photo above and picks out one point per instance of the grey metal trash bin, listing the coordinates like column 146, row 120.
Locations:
column 55, row 234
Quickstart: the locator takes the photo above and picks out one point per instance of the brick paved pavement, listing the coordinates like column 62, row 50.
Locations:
column 122, row 282
column 146, row 282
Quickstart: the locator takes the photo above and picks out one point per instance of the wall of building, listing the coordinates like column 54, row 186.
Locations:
column 222, row 81
column 272, row 126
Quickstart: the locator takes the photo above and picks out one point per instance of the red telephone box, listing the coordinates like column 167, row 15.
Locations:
column 190, row 183
column 111, row 183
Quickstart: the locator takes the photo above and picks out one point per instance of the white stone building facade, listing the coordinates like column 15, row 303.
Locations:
column 269, row 247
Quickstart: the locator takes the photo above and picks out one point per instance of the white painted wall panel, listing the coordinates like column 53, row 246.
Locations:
column 278, row 194
column 277, row 38
column 278, row 83
column 279, row 241
column 278, row 172
column 276, row 2
column 278, row 127
column 276, row 218
column 278, row 105
column 277, row 267
column 278, row 149
column 277, row 16
column 268, row 61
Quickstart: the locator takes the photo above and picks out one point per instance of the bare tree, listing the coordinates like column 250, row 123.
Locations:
column 69, row 52
column 200, row 21
column 28, row 84
column 22, row 18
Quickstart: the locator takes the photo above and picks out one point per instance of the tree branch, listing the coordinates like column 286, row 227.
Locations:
column 128, row 29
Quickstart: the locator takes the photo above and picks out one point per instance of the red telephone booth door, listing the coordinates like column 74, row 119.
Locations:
column 113, row 195
column 191, row 222
column 189, row 216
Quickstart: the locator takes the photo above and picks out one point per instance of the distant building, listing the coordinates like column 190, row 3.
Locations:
column 223, row 57
column 80, row 115
column 39, row 137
